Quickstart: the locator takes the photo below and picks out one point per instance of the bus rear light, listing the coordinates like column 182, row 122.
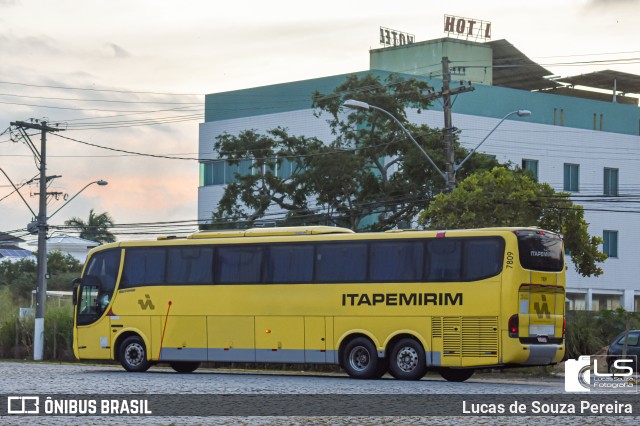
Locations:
column 514, row 326
column 564, row 327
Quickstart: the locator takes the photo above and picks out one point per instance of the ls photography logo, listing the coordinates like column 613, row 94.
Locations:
column 601, row 374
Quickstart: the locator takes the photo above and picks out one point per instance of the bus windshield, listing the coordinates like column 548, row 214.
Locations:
column 540, row 250
column 98, row 283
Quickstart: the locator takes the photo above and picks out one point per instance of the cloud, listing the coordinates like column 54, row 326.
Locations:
column 29, row 46
column 118, row 51
column 610, row 4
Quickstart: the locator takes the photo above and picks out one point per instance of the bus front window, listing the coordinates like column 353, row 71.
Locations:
column 98, row 284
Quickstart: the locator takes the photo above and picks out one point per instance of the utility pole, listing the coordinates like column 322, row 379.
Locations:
column 447, row 131
column 41, row 292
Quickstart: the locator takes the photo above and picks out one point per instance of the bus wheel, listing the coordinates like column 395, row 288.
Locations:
column 133, row 355
column 452, row 375
column 408, row 361
column 360, row 359
column 185, row 366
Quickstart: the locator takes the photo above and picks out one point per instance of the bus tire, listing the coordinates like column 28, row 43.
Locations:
column 407, row 360
column 185, row 366
column 360, row 359
column 454, row 375
column 133, row 355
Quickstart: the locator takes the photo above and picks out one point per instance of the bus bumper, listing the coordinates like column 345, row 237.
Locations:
column 543, row 354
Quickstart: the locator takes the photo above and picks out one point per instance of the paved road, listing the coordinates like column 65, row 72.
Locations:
column 27, row 378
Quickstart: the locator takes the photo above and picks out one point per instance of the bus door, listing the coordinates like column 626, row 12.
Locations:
column 93, row 297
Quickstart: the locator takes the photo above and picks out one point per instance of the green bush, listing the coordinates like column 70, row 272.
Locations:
column 58, row 331
column 588, row 332
column 16, row 334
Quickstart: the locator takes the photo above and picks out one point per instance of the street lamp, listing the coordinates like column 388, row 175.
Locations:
column 99, row 182
column 450, row 178
column 359, row 105
column 41, row 293
column 519, row 113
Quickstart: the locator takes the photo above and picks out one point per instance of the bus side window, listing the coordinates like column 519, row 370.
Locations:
column 144, row 267
column 483, row 258
column 190, row 265
column 239, row 264
column 444, row 260
column 341, row 262
column 392, row 261
column 290, row 264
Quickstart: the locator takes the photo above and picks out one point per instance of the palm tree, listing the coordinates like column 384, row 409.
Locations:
column 95, row 229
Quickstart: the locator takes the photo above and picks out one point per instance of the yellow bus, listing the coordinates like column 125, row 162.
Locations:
column 402, row 302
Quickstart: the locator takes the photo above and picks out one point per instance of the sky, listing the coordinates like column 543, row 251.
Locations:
column 131, row 76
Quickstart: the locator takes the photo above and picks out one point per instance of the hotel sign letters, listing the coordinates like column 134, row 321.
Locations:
column 468, row 28
column 389, row 37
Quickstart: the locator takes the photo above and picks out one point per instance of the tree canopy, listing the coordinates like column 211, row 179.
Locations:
column 370, row 176
column 21, row 276
column 504, row 197
column 96, row 228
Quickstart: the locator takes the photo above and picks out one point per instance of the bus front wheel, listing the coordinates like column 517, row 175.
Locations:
column 133, row 355
column 408, row 360
column 452, row 375
column 360, row 359
column 185, row 366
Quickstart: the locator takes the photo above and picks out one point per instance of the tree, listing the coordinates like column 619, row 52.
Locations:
column 504, row 197
column 20, row 277
column 369, row 176
column 95, row 229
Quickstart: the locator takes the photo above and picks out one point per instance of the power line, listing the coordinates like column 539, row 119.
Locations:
column 100, row 90
column 101, row 100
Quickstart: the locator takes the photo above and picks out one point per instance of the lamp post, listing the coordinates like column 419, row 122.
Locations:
column 353, row 104
column 450, row 178
column 519, row 113
column 99, row 182
column 38, row 334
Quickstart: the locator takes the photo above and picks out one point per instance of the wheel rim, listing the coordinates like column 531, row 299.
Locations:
column 134, row 355
column 407, row 359
column 359, row 358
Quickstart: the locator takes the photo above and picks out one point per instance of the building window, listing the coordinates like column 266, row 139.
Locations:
column 531, row 168
column 637, row 303
column 571, row 177
column 220, row 172
column 555, row 117
column 576, row 302
column 610, row 246
column 605, row 302
column 241, row 168
column 610, row 182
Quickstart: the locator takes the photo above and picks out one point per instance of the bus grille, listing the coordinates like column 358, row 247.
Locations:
column 467, row 336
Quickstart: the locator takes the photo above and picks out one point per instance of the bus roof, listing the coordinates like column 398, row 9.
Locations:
column 268, row 232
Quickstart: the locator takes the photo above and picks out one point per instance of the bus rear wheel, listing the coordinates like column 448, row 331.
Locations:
column 452, row 375
column 185, row 366
column 360, row 359
column 133, row 355
column 407, row 361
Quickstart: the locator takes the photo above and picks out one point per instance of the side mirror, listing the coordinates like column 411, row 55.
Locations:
column 76, row 284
